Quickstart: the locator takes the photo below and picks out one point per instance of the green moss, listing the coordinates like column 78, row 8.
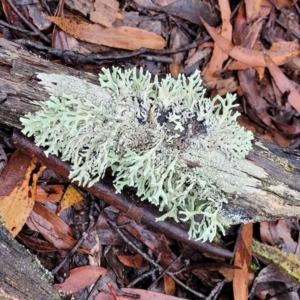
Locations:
column 165, row 138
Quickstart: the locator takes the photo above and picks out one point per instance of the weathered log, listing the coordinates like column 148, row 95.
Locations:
column 275, row 171
column 21, row 274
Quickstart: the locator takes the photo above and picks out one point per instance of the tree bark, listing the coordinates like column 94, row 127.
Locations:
column 21, row 274
column 275, row 195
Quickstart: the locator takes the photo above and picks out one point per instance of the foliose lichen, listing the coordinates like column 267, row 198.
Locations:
column 164, row 138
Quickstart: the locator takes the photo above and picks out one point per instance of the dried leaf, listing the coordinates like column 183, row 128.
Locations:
column 251, row 90
column 279, row 233
column 169, row 285
column 80, row 278
column 118, row 37
column 283, row 83
column 249, row 58
column 54, row 229
column 16, row 201
column 132, row 261
column 242, row 259
column 273, row 280
column 36, row 244
column 54, row 194
column 211, row 73
column 71, row 197
column 155, row 241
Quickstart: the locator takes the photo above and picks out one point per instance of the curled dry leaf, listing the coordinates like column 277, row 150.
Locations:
column 283, row 83
column 118, row 37
column 249, row 58
column 214, row 67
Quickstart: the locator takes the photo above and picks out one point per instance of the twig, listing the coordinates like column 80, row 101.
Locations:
column 107, row 193
column 151, row 261
column 95, row 286
column 27, row 23
column 97, row 59
column 79, row 242
column 165, row 271
column 142, row 276
column 15, row 28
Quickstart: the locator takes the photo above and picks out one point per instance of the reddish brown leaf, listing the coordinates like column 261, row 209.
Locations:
column 36, row 244
column 212, row 71
column 249, row 58
column 80, row 278
column 54, row 229
column 132, row 261
column 169, row 285
column 118, row 37
column 242, row 260
column 54, row 195
column 283, row 83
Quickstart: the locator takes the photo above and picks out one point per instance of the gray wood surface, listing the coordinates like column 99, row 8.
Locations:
column 21, row 274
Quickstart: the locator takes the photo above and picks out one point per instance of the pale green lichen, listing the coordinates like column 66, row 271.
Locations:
column 164, row 138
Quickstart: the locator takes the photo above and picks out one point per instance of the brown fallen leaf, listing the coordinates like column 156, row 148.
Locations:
column 251, row 91
column 283, row 83
column 205, row 271
column 211, row 72
column 54, row 229
column 249, row 58
column 242, row 259
column 54, row 194
column 16, row 197
column 80, row 278
column 36, row 244
column 118, row 37
column 132, row 261
column 169, row 285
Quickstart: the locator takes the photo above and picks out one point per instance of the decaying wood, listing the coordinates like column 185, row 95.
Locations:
column 21, row 274
column 278, row 194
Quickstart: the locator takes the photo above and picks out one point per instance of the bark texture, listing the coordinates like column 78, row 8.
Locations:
column 21, row 274
column 276, row 194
